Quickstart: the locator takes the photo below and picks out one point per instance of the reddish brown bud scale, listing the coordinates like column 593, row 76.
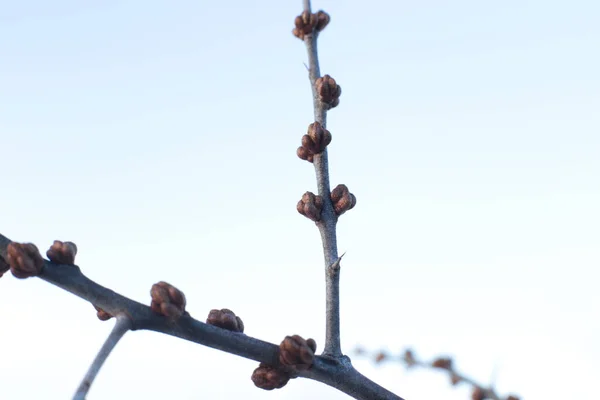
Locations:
column 511, row 397
column 296, row 352
column 269, row 378
column 304, row 154
column 225, row 319
column 24, row 259
column 380, row 357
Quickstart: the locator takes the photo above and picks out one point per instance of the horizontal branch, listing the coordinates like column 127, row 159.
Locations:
column 336, row 373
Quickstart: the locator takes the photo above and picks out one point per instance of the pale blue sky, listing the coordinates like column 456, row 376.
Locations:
column 161, row 137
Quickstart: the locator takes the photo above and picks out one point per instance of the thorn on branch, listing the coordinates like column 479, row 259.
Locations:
column 225, row 319
column 336, row 264
column 314, row 142
column 62, row 252
column 296, row 352
column 167, row 300
column 310, row 206
column 268, row 378
column 307, row 23
column 24, row 259
column 329, row 91
column 342, row 199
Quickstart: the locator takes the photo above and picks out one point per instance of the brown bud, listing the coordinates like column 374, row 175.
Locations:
column 455, row 379
column 24, row 259
column 3, row 266
column 322, row 20
column 342, row 199
column 329, row 91
column 225, row 319
column 511, row 397
column 316, row 138
column 62, row 252
column 314, row 142
column 478, row 393
column 296, row 352
column 269, row 378
column 380, row 357
column 442, row 362
column 305, row 24
column 310, row 206
column 167, row 300
column 304, row 154
column 101, row 314
column 409, row 358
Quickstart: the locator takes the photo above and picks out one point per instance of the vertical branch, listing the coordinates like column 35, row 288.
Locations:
column 122, row 325
column 327, row 224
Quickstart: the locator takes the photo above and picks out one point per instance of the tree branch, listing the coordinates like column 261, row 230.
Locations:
column 336, row 373
column 327, row 224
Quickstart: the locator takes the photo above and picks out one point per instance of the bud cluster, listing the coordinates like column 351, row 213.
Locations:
column 269, row 378
column 314, row 142
column 310, row 206
column 329, row 91
column 167, row 300
column 307, row 23
column 225, row 319
column 24, row 259
column 296, row 352
column 62, row 252
column 342, row 199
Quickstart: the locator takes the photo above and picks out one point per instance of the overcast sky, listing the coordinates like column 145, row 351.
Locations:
column 161, row 136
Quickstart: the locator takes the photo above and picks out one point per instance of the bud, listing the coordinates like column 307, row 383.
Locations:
column 328, row 90
column 269, row 378
column 442, row 362
column 342, row 199
column 24, row 259
column 62, row 252
column 101, row 314
column 225, row 319
column 167, row 300
column 296, row 352
column 310, row 206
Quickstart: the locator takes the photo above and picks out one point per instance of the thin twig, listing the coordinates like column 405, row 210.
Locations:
column 122, row 325
column 328, row 221
column 439, row 364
